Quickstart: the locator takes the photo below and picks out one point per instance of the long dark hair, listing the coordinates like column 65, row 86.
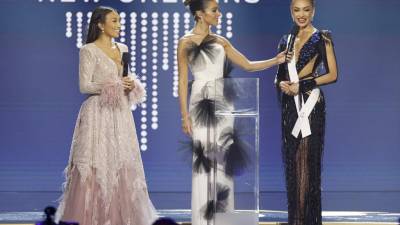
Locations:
column 98, row 16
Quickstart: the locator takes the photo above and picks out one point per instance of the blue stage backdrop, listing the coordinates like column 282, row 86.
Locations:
column 40, row 100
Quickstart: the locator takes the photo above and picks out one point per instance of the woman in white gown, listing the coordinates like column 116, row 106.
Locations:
column 105, row 182
column 207, row 55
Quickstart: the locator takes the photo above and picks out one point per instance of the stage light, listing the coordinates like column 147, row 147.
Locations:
column 133, row 26
column 144, row 49
column 154, row 60
column 79, row 21
column 219, row 26
column 186, row 22
column 165, row 22
column 229, row 22
column 175, row 42
column 68, row 29
column 122, row 32
column 154, row 126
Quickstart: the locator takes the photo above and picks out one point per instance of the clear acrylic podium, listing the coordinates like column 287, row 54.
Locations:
column 237, row 153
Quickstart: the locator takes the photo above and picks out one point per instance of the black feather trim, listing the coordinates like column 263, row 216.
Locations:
column 204, row 112
column 220, row 206
column 228, row 68
column 210, row 210
column 236, row 154
column 200, row 162
column 194, row 50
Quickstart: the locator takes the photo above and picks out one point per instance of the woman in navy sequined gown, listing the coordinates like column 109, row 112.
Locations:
column 303, row 113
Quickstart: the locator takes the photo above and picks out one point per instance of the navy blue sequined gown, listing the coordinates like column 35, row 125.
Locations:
column 302, row 156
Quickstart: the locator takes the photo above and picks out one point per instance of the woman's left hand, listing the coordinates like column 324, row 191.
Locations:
column 289, row 88
column 128, row 83
column 294, row 89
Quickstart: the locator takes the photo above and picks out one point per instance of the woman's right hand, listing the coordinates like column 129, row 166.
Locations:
column 283, row 57
column 128, row 84
column 187, row 125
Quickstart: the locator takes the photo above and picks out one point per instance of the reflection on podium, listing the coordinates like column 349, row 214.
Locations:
column 234, row 182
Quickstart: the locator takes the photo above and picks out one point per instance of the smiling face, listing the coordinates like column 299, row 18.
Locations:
column 302, row 12
column 111, row 25
column 211, row 13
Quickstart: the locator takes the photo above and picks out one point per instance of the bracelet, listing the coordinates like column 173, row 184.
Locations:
column 307, row 85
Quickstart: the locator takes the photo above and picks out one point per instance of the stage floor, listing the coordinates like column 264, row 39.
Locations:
column 266, row 217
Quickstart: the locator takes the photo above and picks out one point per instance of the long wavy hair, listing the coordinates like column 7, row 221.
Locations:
column 98, row 16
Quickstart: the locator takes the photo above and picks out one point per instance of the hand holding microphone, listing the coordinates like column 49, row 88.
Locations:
column 127, row 82
column 126, row 60
column 284, row 56
column 292, row 38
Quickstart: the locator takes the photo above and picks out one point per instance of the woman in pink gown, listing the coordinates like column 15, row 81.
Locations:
column 105, row 182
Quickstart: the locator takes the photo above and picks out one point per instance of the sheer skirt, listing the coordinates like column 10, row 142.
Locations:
column 302, row 158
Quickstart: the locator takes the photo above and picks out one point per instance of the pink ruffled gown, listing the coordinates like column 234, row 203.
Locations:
column 105, row 182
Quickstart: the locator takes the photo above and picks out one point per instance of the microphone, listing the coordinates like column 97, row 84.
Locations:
column 293, row 34
column 126, row 60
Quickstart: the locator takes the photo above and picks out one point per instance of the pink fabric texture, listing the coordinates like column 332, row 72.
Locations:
column 138, row 94
column 111, row 95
